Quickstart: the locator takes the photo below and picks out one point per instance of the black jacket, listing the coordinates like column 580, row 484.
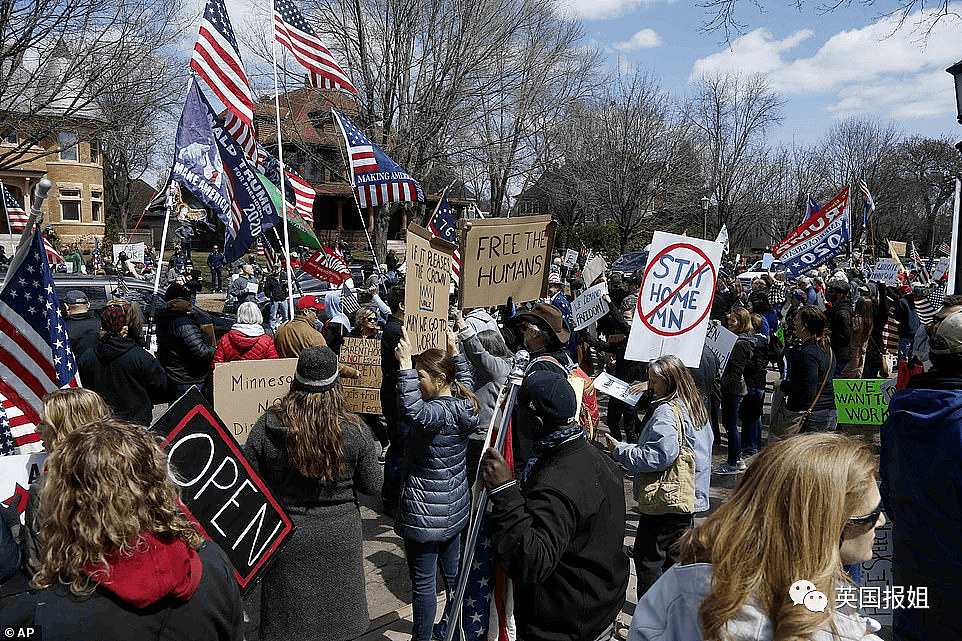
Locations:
column 182, row 348
column 126, row 375
column 840, row 324
column 83, row 330
column 562, row 541
column 733, row 378
column 808, row 371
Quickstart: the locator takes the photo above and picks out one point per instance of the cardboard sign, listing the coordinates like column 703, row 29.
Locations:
column 220, row 491
column 671, row 316
column 886, row 271
column 877, row 577
column 363, row 395
column 862, row 401
column 17, row 472
column 243, row 390
column 590, row 306
column 593, row 269
column 940, row 268
column 720, row 341
column 571, row 258
column 134, row 251
column 503, row 257
column 426, row 288
column 896, row 249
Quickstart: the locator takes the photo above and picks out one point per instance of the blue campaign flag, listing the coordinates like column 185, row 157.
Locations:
column 820, row 237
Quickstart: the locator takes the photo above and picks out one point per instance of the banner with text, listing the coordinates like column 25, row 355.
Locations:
column 590, row 306
column 720, row 341
column 675, row 298
column 813, row 243
column 427, row 288
column 363, row 395
column 243, row 390
column 594, row 267
column 886, row 271
column 134, row 251
column 504, row 257
column 571, row 258
column 863, row 401
column 17, row 472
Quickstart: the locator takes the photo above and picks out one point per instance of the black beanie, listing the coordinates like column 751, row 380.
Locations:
column 316, row 370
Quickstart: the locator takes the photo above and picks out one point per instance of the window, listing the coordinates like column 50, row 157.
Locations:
column 96, row 205
column 70, row 204
column 95, row 152
column 68, row 145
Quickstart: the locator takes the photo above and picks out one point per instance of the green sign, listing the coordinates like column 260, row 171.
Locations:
column 863, row 401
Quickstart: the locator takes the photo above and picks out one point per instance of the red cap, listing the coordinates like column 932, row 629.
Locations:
column 310, row 302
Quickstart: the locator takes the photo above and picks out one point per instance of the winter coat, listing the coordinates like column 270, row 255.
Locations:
column 293, row 336
column 182, row 348
column 83, row 330
column 922, row 493
column 244, row 342
column 810, row 368
column 129, row 379
column 756, row 368
column 733, row 378
column 490, row 374
column 215, row 260
column 841, row 324
column 907, row 317
column 435, row 498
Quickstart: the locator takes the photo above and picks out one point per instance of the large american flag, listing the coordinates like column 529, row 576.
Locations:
column 442, row 225
column 923, row 273
column 218, row 63
column 35, row 355
column 292, row 31
column 304, row 194
column 377, row 179
column 869, row 202
column 16, row 216
column 53, row 256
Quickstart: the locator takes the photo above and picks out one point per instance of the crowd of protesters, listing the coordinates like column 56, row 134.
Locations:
column 107, row 550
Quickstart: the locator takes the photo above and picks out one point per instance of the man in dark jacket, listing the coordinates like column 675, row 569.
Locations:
column 908, row 320
column 83, row 326
column 922, row 486
column 182, row 347
column 840, row 321
column 558, row 531
column 390, row 407
column 215, row 261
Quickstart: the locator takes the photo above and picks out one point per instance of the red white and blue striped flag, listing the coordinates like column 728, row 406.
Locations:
column 292, row 31
column 922, row 272
column 16, row 215
column 442, row 225
column 869, row 202
column 377, row 178
column 35, row 354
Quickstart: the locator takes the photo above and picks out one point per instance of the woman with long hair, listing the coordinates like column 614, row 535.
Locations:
column 677, row 408
column 863, row 324
column 810, row 387
column 807, row 505
column 120, row 560
column 734, row 387
column 315, row 455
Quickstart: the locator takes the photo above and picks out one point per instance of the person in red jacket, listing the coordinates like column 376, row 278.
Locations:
column 246, row 340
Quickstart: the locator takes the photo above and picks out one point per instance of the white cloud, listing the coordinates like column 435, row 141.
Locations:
column 602, row 9
column 644, row 39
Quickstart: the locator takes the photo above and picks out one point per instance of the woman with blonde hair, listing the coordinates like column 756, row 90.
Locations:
column 676, row 411
column 807, row 505
column 120, row 560
column 315, row 455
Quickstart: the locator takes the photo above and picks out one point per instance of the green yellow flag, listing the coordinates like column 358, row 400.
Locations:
column 299, row 229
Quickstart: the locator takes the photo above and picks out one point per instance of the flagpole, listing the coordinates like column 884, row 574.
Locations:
column 6, row 209
column 280, row 169
column 952, row 286
column 357, row 202
column 36, row 216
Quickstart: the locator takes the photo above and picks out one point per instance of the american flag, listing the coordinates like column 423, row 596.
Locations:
column 349, row 300
column 96, row 255
column 923, row 273
column 925, row 309
column 35, row 355
column 869, row 202
column 292, row 31
column 218, row 63
column 937, row 296
column 16, row 216
column 377, row 179
column 944, row 248
column 328, row 265
column 303, row 196
column 53, row 256
column 442, row 225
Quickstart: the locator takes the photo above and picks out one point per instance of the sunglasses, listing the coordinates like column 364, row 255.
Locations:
column 869, row 519
column 369, row 318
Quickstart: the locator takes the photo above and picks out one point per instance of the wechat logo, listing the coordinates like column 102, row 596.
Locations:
column 804, row 592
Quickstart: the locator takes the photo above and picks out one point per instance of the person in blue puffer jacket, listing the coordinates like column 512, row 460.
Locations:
column 438, row 402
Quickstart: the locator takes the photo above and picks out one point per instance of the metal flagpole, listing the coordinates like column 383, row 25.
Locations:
column 280, row 162
column 168, row 208
column 36, row 216
column 954, row 283
column 6, row 210
column 357, row 203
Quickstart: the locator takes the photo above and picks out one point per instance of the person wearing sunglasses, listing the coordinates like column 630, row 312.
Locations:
column 367, row 326
column 806, row 506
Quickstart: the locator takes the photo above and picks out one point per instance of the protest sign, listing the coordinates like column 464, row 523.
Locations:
column 17, row 472
column 427, row 288
column 671, row 316
column 571, row 258
column 896, row 249
column 243, row 390
column 594, row 268
column 134, row 251
column 886, row 271
column 862, row 401
column 877, row 578
column 767, row 260
column 617, row 388
column 940, row 268
column 221, row 493
column 720, row 342
column 820, row 237
column 503, row 257
column 590, row 306
column 363, row 395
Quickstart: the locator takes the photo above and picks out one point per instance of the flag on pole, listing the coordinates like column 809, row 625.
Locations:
column 16, row 215
column 96, row 266
column 297, row 191
column 811, row 208
column 53, row 256
column 303, row 196
column 218, row 63
column 722, row 238
column 944, row 248
column 35, row 354
column 328, row 265
column 442, row 225
column 923, row 273
column 377, row 179
column 292, row 31
column 869, row 202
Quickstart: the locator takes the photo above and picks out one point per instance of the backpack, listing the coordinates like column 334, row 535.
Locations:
column 588, row 414
column 758, row 361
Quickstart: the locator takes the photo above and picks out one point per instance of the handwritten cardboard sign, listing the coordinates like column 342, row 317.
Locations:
column 427, row 288
column 590, row 306
column 504, row 257
column 243, row 390
column 886, row 271
column 17, row 472
column 220, row 491
column 720, row 341
column 363, row 395
column 940, row 268
column 571, row 258
column 862, row 401
column 134, row 251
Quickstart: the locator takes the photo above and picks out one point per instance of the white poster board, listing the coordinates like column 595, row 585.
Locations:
column 17, row 472
column 617, row 388
column 675, row 298
column 590, row 306
column 134, row 251
column 886, row 271
column 571, row 258
column 720, row 341
column 767, row 260
column 940, row 268
column 593, row 269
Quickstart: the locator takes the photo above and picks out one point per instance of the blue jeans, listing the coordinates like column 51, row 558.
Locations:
column 905, row 349
column 423, row 561
column 752, row 419
column 730, row 406
column 275, row 306
column 821, row 421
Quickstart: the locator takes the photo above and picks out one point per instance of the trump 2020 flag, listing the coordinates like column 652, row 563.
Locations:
column 377, row 179
column 818, row 239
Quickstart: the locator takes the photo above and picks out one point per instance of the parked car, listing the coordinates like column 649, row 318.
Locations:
column 628, row 264
column 756, row 271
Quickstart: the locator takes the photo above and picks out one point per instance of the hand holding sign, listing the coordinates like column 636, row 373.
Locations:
column 403, row 350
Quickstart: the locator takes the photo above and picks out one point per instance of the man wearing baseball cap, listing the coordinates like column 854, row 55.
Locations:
column 182, row 347
column 302, row 331
column 558, row 528
column 83, row 326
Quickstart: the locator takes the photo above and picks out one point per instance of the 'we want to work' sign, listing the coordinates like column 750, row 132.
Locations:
column 675, row 298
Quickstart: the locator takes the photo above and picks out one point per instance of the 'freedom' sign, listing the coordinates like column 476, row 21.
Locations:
column 675, row 297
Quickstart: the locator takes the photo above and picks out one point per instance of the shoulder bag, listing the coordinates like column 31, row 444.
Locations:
column 786, row 422
column 672, row 490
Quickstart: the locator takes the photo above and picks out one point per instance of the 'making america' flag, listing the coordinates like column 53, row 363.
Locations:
column 377, row 179
column 292, row 31
column 16, row 216
column 442, row 225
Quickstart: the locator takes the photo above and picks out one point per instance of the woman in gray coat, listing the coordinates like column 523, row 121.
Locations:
column 315, row 456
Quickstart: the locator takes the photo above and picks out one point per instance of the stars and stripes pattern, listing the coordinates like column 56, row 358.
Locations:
column 349, row 302
column 944, row 248
column 217, row 63
column 303, row 196
column 328, row 265
column 925, row 309
column 35, row 354
column 293, row 32
column 16, row 215
column 376, row 177
column 18, row 428
column 53, row 256
column 937, row 295
column 869, row 202
column 442, row 225
column 923, row 273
